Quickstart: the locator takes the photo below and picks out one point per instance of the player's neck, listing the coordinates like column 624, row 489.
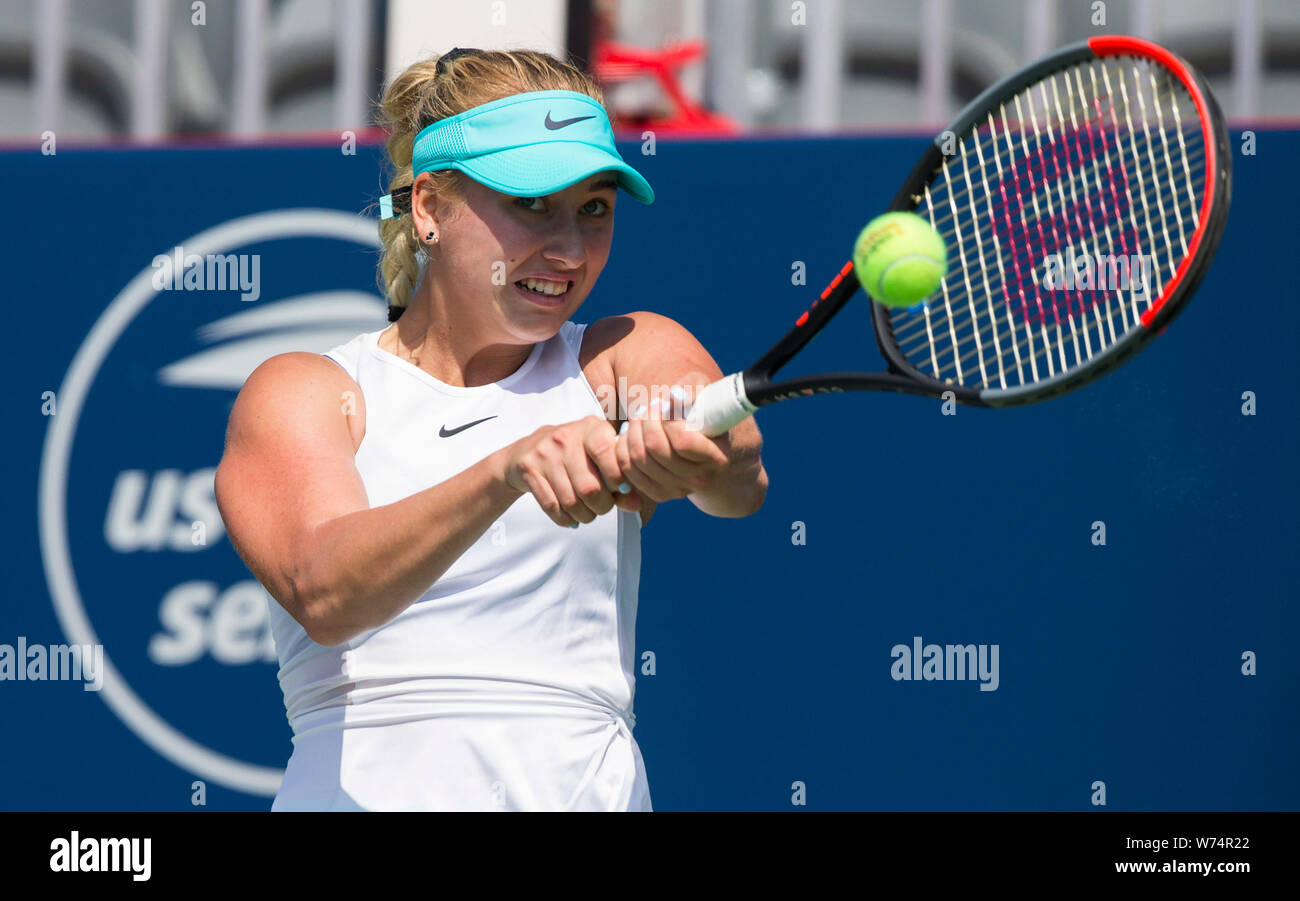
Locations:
column 450, row 351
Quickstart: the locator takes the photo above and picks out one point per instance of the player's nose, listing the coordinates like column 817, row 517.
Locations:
column 564, row 242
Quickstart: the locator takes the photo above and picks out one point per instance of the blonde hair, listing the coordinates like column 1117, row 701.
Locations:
column 434, row 89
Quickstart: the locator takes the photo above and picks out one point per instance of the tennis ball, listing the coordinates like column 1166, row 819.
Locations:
column 899, row 259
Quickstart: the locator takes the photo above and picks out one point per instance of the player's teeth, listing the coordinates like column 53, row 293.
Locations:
column 543, row 287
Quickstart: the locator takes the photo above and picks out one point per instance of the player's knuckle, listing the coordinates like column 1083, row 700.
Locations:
column 589, row 488
column 529, row 469
column 600, row 445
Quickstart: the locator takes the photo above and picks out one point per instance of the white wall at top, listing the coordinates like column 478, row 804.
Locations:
column 418, row 29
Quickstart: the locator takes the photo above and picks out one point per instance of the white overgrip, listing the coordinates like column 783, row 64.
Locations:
column 720, row 406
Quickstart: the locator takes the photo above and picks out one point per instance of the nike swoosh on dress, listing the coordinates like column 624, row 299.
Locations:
column 445, row 432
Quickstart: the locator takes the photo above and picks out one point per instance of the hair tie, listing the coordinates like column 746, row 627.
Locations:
column 453, row 54
column 395, row 204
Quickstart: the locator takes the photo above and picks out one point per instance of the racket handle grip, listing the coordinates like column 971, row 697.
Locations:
column 720, row 406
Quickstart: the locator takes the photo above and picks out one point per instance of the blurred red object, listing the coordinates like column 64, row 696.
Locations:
column 614, row 62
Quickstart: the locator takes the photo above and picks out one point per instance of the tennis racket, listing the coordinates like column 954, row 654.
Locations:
column 1113, row 150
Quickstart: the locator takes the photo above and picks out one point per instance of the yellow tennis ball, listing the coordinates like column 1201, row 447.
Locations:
column 899, row 259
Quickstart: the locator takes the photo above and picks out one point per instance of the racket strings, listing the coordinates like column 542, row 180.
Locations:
column 1032, row 357
column 1023, row 257
column 1184, row 204
column 989, row 138
column 1102, row 163
column 986, row 229
column 917, row 331
column 993, row 147
column 1040, row 198
column 1025, row 254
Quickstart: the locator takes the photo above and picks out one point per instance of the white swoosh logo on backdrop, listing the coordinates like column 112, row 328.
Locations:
column 311, row 322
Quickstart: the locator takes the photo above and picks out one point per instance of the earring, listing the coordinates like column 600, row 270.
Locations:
column 431, row 238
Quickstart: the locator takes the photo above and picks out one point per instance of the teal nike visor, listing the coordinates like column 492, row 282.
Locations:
column 526, row 145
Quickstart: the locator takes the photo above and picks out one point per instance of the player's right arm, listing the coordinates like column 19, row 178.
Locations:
column 296, row 510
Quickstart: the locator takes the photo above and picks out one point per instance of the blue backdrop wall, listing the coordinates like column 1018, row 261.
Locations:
column 1120, row 664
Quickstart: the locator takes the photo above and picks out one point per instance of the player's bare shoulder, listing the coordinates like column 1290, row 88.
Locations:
column 615, row 346
column 292, row 387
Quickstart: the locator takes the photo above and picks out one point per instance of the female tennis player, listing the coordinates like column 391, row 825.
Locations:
column 444, row 511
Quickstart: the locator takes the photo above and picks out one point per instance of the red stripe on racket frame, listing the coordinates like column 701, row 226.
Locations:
column 826, row 292
column 1117, row 45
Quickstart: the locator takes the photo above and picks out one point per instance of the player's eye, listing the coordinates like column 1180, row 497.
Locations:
column 527, row 203
column 596, row 207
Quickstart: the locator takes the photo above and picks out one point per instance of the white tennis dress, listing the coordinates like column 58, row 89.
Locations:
column 508, row 685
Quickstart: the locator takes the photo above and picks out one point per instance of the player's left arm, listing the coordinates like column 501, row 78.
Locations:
column 663, row 458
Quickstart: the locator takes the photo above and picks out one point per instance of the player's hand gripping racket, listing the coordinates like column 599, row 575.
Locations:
column 1112, row 150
